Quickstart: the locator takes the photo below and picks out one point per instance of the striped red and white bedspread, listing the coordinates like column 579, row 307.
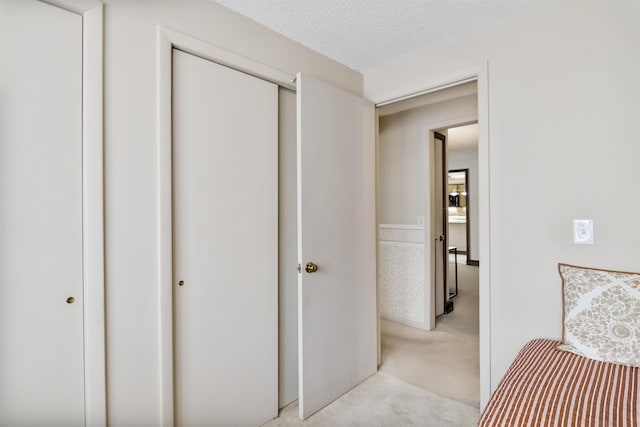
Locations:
column 548, row 387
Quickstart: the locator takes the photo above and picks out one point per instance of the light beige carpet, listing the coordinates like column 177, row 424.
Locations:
column 446, row 360
column 463, row 321
column 441, row 362
column 384, row 401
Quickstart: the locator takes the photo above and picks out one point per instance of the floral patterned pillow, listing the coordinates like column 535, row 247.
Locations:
column 601, row 318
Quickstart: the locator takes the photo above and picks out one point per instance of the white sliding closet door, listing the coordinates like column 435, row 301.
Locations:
column 288, row 235
column 225, row 244
column 41, row 289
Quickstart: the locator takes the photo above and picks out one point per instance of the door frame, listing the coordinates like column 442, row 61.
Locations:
column 467, row 227
column 433, row 206
column 478, row 73
column 95, row 389
column 167, row 40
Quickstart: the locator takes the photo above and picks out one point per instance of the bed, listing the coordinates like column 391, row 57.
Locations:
column 591, row 377
column 548, row 387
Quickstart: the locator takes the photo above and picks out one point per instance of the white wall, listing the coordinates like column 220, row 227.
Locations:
column 563, row 107
column 132, row 288
column 403, row 157
column 468, row 159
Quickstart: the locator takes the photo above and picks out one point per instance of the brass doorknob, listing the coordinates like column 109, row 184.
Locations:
column 311, row 267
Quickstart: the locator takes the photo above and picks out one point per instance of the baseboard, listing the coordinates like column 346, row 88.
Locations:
column 473, row 262
column 406, row 322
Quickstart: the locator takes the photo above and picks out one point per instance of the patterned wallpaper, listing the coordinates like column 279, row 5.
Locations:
column 402, row 289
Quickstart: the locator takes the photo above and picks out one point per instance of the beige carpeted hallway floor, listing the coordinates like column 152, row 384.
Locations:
column 446, row 360
column 384, row 401
column 427, row 378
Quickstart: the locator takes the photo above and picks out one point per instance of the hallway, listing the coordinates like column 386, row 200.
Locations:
column 445, row 360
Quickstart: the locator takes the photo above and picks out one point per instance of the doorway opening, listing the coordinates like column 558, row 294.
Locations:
column 428, row 294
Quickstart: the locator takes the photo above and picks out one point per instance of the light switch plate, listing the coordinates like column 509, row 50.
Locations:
column 583, row 231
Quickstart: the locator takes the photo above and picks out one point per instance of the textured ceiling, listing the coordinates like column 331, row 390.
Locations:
column 363, row 34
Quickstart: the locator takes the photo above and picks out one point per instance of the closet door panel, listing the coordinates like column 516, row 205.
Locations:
column 41, row 328
column 288, row 276
column 225, row 244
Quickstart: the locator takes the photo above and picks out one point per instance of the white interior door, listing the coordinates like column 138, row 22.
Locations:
column 336, row 231
column 41, row 327
column 225, row 247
